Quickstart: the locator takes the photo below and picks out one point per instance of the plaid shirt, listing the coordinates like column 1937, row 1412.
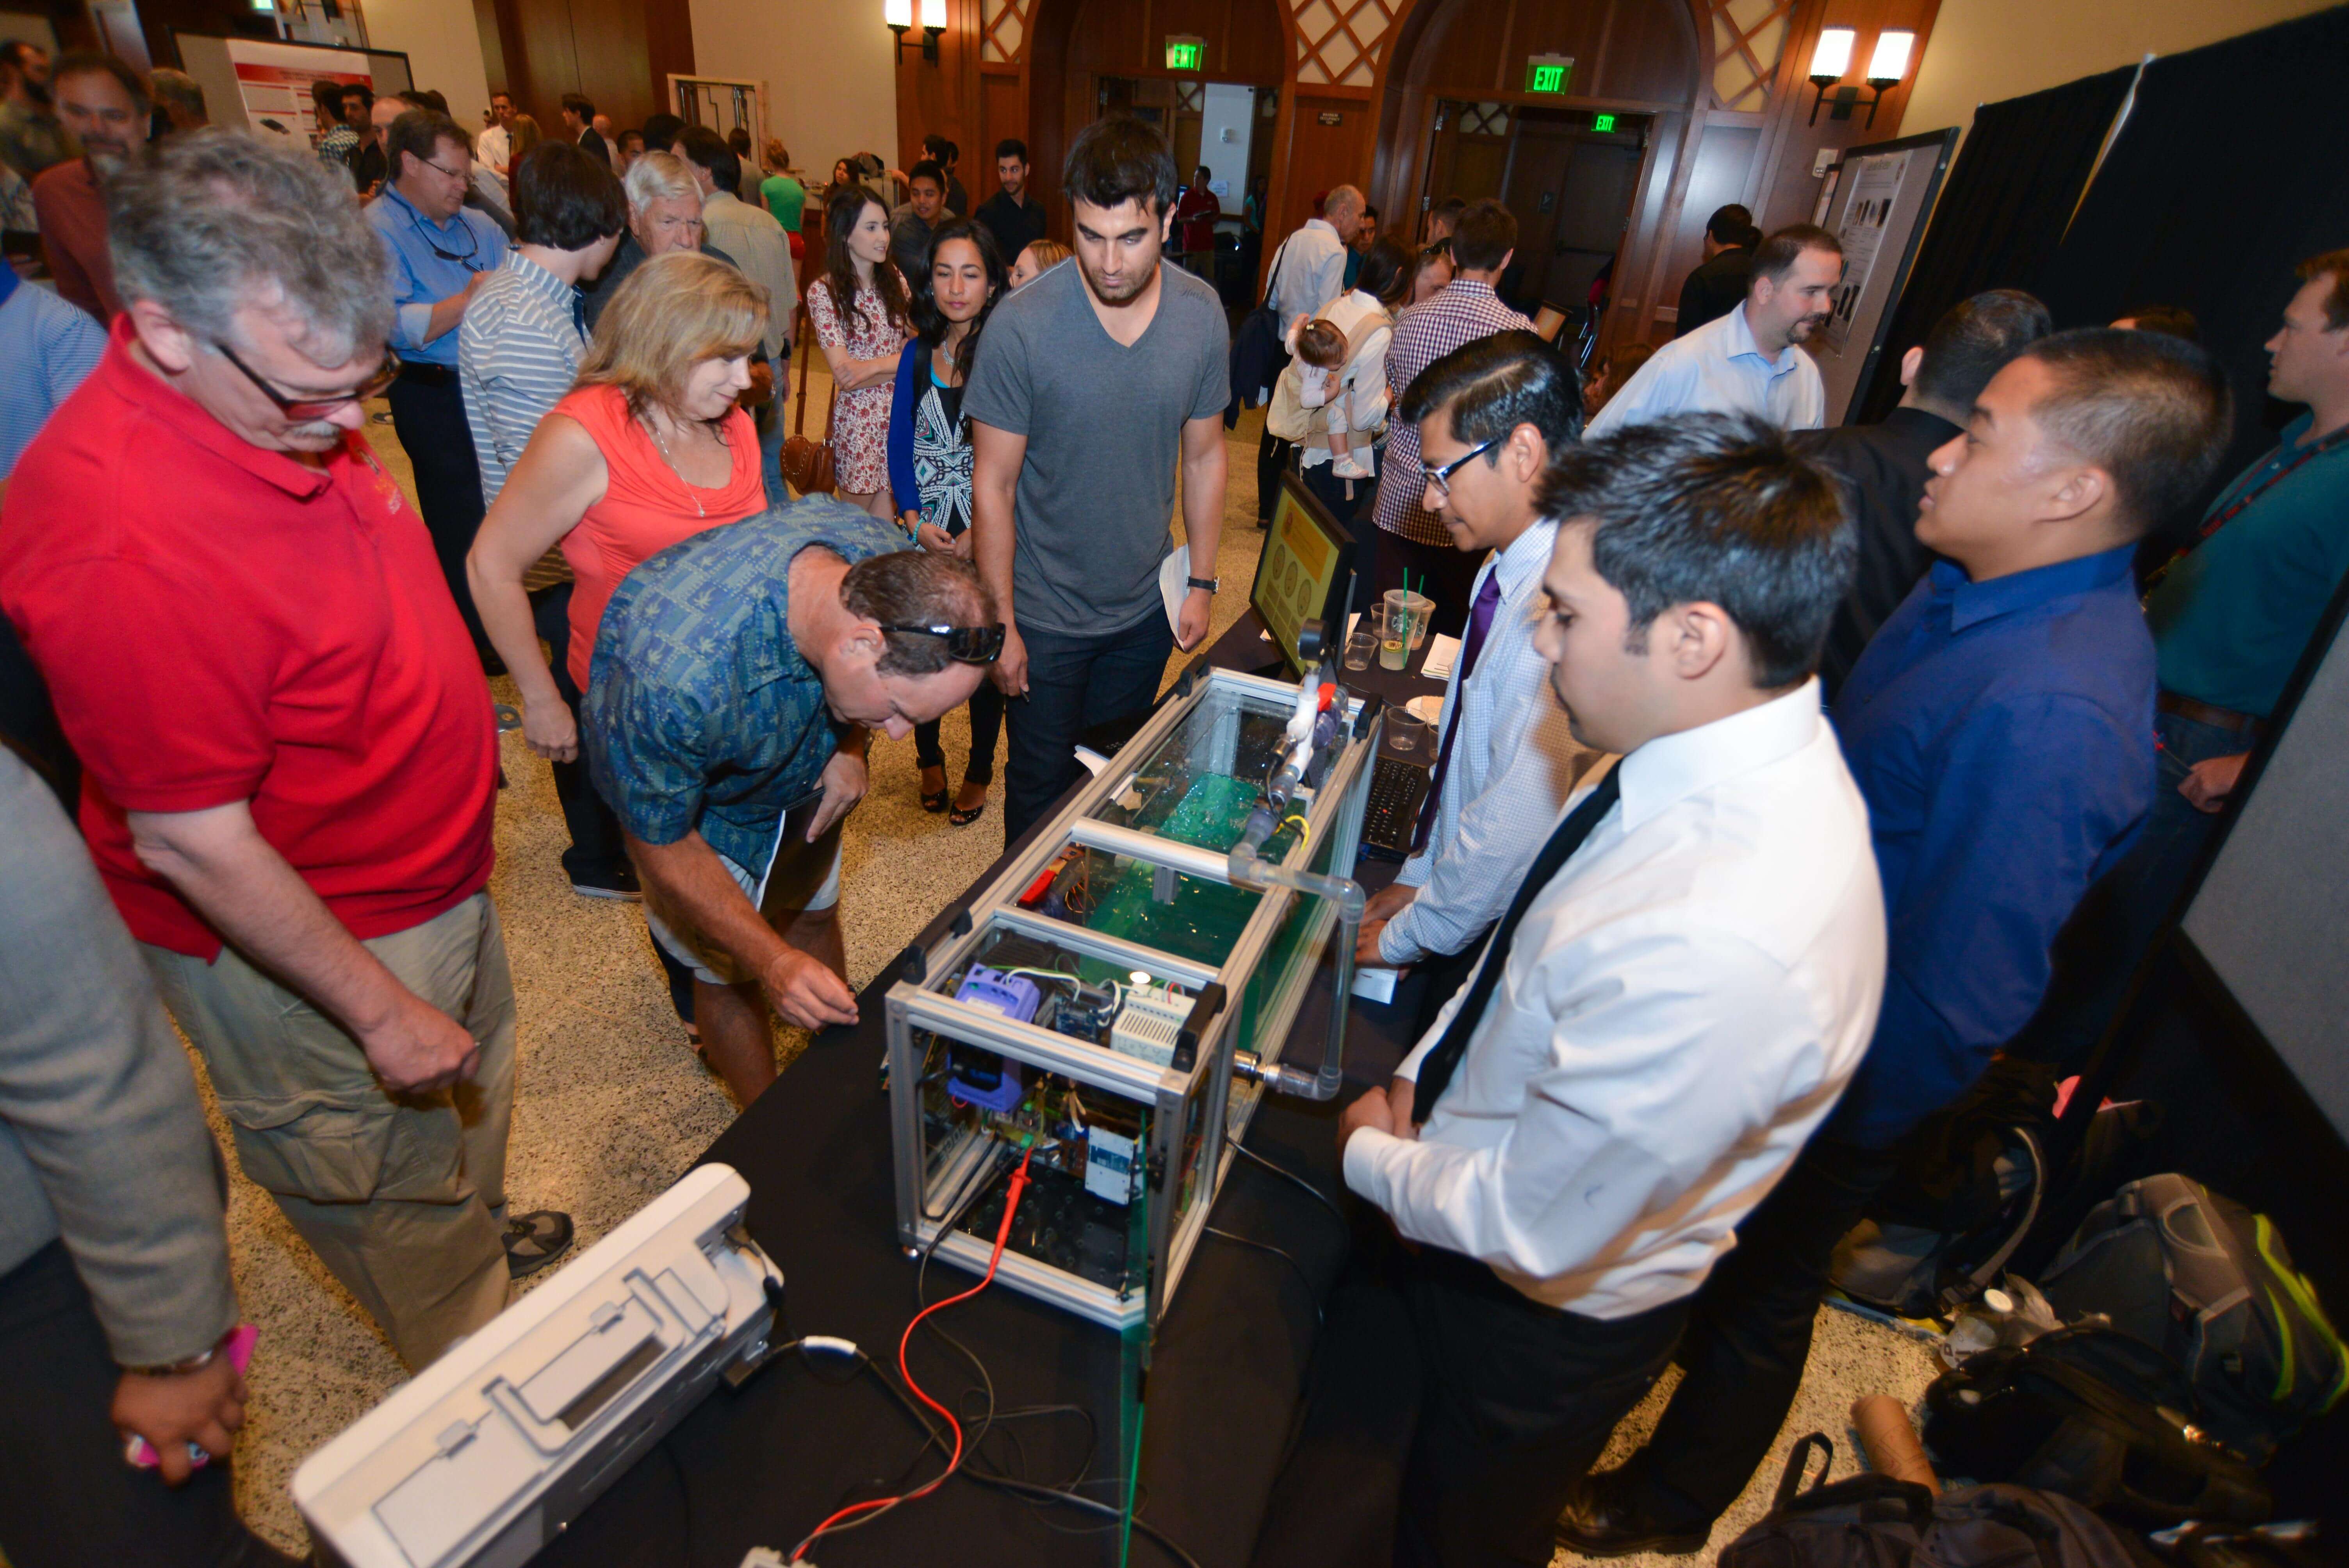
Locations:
column 1459, row 313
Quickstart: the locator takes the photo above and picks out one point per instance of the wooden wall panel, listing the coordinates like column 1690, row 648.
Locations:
column 617, row 51
column 1642, row 50
column 1128, row 38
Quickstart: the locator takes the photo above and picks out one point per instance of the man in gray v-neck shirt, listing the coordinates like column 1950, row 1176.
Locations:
column 1078, row 434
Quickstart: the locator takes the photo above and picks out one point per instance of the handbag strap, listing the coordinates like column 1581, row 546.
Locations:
column 799, row 420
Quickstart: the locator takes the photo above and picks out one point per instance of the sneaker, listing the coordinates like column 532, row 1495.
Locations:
column 615, row 882
column 536, row 1240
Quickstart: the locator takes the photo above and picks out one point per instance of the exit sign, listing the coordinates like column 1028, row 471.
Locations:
column 1187, row 53
column 1549, row 73
column 1602, row 122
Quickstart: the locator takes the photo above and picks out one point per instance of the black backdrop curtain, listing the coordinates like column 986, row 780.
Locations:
column 2230, row 171
column 2017, row 178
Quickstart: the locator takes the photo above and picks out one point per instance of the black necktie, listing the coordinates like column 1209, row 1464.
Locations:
column 1435, row 1069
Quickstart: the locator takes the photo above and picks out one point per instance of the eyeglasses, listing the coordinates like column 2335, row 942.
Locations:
column 472, row 251
column 1442, row 477
column 319, row 408
column 965, row 645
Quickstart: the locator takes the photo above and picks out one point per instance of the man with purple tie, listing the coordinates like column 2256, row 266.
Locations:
column 1490, row 416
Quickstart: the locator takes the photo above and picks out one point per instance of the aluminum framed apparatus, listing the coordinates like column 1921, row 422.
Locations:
column 1117, row 999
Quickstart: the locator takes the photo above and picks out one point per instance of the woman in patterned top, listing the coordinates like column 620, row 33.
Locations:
column 859, row 311
column 930, row 463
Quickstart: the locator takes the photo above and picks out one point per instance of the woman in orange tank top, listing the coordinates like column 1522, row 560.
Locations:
column 651, row 448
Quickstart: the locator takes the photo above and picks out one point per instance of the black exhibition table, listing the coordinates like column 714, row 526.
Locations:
column 761, row 1465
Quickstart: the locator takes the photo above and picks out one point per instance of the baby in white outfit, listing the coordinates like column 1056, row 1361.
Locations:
column 1320, row 351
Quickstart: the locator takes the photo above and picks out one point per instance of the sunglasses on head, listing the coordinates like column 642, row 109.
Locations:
column 965, row 645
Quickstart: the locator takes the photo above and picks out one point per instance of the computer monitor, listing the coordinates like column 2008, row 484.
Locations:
column 1306, row 571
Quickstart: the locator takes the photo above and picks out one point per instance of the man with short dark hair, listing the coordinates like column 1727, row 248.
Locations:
column 359, row 108
column 2232, row 615
column 1998, row 727
column 290, row 771
column 441, row 254
column 1366, row 235
column 1491, row 416
column 1195, row 212
column 1750, row 360
column 661, row 132
column 494, row 146
column 32, row 138
column 1412, row 542
column 1883, row 466
column 1015, row 218
column 1683, row 981
column 632, row 146
column 338, row 143
column 1718, row 284
column 737, row 679
column 939, row 150
column 912, row 223
column 579, row 125
column 1097, row 382
column 104, row 104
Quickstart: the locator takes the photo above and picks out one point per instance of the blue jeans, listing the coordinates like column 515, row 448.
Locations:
column 773, row 435
column 1074, row 684
column 2101, row 946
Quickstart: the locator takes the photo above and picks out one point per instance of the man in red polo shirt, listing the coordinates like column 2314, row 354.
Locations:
column 290, row 766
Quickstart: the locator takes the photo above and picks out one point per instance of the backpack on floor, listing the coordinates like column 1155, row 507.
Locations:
column 2096, row 1415
column 2211, row 1284
column 1875, row 1522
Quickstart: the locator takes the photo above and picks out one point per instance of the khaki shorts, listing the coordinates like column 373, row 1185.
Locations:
column 801, row 878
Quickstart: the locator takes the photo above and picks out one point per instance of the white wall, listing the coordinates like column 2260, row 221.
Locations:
column 1985, row 50
column 831, row 85
column 1234, row 107
column 444, row 48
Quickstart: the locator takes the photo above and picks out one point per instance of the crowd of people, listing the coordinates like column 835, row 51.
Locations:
column 1774, row 760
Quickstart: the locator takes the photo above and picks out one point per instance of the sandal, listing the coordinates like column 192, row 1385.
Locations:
column 935, row 801
column 536, row 1240
column 963, row 815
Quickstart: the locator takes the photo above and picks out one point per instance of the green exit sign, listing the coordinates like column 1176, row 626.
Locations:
column 1602, row 122
column 1549, row 73
column 1187, row 53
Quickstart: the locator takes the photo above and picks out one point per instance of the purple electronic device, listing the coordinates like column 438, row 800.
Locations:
column 1016, row 997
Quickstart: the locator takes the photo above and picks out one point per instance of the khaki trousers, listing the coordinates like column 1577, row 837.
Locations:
column 402, row 1197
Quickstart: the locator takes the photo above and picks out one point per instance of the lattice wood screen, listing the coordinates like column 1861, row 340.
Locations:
column 1003, row 30
column 1190, row 98
column 1748, row 36
column 1338, row 42
column 1485, row 119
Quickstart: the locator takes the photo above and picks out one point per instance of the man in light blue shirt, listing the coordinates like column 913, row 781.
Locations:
column 1747, row 362
column 47, row 346
column 440, row 253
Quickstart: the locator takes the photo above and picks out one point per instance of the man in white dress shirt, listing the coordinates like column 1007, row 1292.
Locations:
column 1677, row 994
column 1308, row 271
column 1490, row 416
column 1749, row 361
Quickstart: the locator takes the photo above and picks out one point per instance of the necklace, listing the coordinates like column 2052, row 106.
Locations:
column 692, row 493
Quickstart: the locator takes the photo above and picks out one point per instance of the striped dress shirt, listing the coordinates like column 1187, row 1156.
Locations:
column 518, row 352
column 1514, row 763
column 1458, row 313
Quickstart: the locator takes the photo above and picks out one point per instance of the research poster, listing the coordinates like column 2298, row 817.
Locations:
column 274, row 81
column 1874, row 182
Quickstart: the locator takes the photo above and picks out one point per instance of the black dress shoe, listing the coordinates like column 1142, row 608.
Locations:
column 1600, row 1521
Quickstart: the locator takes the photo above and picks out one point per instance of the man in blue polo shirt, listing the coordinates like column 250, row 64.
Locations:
column 736, row 679
column 440, row 251
column 2000, row 726
column 2232, row 617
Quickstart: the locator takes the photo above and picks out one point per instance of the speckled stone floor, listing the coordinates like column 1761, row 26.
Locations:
column 611, row 1106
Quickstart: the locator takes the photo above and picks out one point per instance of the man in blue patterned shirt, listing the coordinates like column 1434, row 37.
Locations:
column 736, row 679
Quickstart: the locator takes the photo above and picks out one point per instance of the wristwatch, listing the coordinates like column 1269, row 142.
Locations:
column 1207, row 584
column 195, row 1363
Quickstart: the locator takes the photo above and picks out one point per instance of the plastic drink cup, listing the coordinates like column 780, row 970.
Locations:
column 1395, row 630
column 1422, row 609
column 1404, row 730
column 1358, row 648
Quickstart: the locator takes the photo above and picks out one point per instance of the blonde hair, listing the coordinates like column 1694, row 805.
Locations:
column 1049, row 253
column 776, row 156
column 669, row 316
column 521, row 135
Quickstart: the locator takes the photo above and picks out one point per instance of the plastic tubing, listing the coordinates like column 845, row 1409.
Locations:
column 1248, row 867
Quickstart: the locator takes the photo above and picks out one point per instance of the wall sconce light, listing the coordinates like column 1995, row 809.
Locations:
column 897, row 15
column 1831, row 58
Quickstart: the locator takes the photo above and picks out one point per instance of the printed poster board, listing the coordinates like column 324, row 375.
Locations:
column 1881, row 197
column 269, row 82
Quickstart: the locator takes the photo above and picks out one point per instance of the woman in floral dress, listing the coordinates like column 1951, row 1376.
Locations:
column 861, row 340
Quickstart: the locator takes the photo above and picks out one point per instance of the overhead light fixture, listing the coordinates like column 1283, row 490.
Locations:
column 897, row 15
column 1831, row 61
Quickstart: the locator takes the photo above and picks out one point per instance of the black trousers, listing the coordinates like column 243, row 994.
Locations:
column 595, row 843
column 1074, row 684
column 1749, row 1333
column 1449, row 1416
column 68, row 1500
column 1272, row 455
column 986, row 724
column 429, row 417
column 1444, row 574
